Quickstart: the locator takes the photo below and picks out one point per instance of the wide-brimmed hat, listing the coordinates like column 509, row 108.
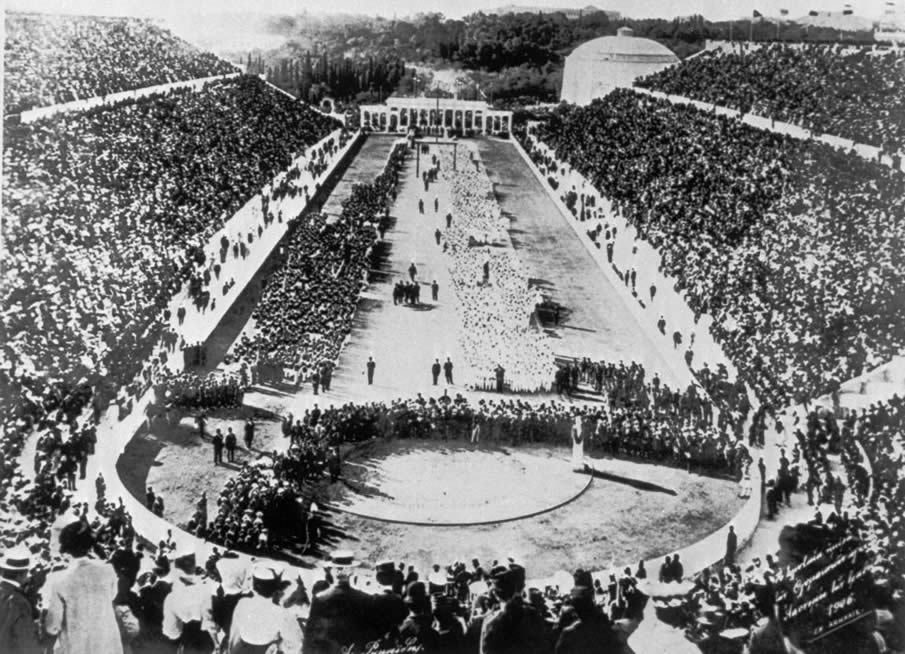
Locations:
column 16, row 559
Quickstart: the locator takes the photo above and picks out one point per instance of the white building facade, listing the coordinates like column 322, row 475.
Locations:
column 435, row 116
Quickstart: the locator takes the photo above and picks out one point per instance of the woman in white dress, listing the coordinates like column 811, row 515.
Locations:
column 577, row 445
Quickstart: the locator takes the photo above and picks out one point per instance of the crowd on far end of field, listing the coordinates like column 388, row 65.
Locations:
column 848, row 91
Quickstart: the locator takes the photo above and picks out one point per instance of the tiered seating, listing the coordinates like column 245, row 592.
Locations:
column 51, row 59
column 853, row 93
column 106, row 213
column 794, row 248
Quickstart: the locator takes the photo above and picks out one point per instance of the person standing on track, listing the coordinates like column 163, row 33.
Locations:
column 218, row 447
column 230, row 442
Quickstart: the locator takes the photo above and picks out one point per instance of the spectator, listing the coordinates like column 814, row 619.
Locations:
column 80, row 613
column 17, row 627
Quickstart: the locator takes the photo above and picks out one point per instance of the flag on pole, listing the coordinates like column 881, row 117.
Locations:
column 757, row 14
column 812, row 13
column 847, row 10
column 783, row 12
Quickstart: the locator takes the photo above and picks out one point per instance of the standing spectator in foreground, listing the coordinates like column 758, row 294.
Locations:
column 592, row 632
column 260, row 623
column 80, row 601
column 185, row 608
column 418, row 626
column 340, row 616
column 17, row 628
column 516, row 627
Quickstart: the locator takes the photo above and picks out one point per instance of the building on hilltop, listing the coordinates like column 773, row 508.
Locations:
column 598, row 66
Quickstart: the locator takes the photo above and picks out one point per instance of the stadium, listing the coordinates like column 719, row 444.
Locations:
column 530, row 331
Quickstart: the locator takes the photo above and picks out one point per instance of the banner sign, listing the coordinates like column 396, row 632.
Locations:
column 828, row 590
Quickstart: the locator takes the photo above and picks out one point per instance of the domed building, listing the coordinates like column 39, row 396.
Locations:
column 597, row 67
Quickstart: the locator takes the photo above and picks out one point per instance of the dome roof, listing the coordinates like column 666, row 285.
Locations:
column 624, row 46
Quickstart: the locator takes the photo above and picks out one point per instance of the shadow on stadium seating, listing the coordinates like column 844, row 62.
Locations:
column 628, row 481
column 381, row 272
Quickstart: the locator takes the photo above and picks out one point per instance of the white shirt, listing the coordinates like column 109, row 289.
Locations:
column 265, row 620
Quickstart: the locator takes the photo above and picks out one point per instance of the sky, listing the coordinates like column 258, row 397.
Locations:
column 712, row 9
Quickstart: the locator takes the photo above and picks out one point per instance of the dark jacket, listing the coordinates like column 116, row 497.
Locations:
column 592, row 635
column 514, row 629
column 17, row 628
column 340, row 616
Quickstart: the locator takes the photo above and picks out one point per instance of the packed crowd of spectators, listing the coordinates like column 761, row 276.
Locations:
column 51, row 59
column 855, row 93
column 201, row 391
column 307, row 306
column 794, row 248
column 496, row 301
column 880, row 503
column 651, row 424
column 105, row 214
column 109, row 592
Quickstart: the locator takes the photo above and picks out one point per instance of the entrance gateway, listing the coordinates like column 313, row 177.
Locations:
column 436, row 115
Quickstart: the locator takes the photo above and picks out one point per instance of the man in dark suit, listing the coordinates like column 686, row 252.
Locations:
column 230, row 442
column 592, row 632
column 340, row 616
column 447, row 371
column 17, row 627
column 371, row 365
column 731, row 546
column 389, row 608
column 218, row 447
column 435, row 371
column 516, row 627
column 417, row 630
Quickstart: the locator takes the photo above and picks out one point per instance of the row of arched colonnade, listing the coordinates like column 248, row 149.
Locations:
column 398, row 115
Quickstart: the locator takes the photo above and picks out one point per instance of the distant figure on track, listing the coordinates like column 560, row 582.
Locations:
column 370, row 366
